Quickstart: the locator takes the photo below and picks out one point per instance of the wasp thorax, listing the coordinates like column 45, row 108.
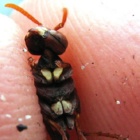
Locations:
column 40, row 38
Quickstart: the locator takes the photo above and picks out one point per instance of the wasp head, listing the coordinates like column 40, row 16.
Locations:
column 40, row 38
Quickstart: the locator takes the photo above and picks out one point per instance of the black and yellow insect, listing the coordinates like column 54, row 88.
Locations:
column 59, row 102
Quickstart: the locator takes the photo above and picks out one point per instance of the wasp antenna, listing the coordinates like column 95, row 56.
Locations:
column 21, row 10
column 64, row 18
column 65, row 14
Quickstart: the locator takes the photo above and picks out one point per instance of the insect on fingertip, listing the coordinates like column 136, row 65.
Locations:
column 58, row 98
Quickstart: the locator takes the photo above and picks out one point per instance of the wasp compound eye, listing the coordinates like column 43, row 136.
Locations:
column 34, row 41
column 58, row 42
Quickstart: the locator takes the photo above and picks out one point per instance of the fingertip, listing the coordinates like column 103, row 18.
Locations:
column 18, row 97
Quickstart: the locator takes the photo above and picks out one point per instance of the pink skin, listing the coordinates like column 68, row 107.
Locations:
column 104, row 50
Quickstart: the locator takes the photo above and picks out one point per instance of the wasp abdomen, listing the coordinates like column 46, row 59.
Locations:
column 56, row 91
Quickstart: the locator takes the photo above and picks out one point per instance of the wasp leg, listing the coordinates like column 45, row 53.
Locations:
column 54, row 135
column 59, row 129
column 66, row 70
column 79, row 132
column 56, row 131
column 31, row 62
column 75, row 109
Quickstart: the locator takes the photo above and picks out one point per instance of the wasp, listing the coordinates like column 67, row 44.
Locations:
column 58, row 98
